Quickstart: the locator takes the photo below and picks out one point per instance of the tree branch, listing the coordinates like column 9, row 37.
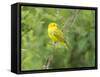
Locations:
column 49, row 60
column 70, row 21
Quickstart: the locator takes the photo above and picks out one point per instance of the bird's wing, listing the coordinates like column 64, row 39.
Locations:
column 59, row 35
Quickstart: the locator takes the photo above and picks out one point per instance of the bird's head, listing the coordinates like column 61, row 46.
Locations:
column 52, row 26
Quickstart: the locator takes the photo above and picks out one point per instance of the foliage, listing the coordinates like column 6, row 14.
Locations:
column 37, row 46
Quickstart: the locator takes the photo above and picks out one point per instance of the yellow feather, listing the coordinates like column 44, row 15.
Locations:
column 55, row 34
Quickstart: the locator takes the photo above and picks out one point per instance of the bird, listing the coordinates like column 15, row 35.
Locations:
column 56, row 35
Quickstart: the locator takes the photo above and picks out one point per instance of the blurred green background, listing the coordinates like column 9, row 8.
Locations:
column 37, row 50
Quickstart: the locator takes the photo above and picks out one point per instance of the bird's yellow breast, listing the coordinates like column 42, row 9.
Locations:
column 51, row 34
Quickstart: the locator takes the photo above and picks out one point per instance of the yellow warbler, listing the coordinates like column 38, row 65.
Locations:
column 55, row 34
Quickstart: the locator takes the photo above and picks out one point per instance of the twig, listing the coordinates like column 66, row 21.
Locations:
column 70, row 21
column 49, row 59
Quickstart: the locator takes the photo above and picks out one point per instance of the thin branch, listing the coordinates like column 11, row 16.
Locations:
column 70, row 21
column 49, row 60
